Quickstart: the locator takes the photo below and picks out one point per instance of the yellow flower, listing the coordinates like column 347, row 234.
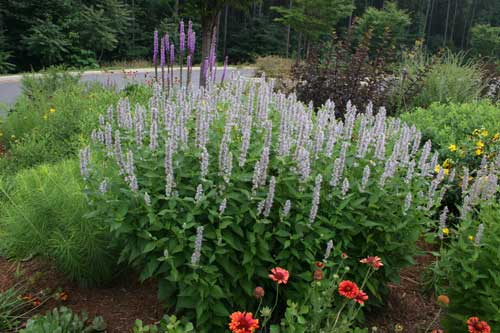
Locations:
column 437, row 168
column 447, row 163
column 496, row 137
column 446, row 171
column 446, row 231
column 484, row 132
column 52, row 110
column 453, row 147
column 45, row 117
column 479, row 152
column 480, row 144
column 475, row 132
column 471, row 238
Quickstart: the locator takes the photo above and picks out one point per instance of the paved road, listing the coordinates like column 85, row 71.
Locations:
column 10, row 86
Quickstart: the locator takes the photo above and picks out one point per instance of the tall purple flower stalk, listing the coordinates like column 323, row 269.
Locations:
column 162, row 62
column 182, row 46
column 182, row 37
column 155, row 53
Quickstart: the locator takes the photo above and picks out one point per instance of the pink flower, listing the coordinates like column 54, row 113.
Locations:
column 375, row 262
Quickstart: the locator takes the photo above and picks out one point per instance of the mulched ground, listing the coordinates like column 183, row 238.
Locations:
column 407, row 305
column 128, row 300
column 120, row 304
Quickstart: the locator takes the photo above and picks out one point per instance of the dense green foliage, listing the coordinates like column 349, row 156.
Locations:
column 43, row 213
column 53, row 119
column 466, row 271
column 168, row 324
column 85, row 33
column 63, row 320
column 485, row 41
column 447, row 124
column 424, row 79
column 389, row 22
column 158, row 213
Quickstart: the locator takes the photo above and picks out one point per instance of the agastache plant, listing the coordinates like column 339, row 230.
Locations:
column 235, row 158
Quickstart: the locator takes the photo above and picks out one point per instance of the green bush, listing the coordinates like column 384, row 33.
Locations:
column 387, row 23
column 168, row 324
column 485, row 41
column 449, row 78
column 43, row 214
column 63, row 320
column 53, row 118
column 447, row 124
column 208, row 212
column 467, row 272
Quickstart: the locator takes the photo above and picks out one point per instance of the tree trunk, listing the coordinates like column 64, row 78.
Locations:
column 452, row 33
column 288, row 33
column 226, row 10
column 208, row 24
column 298, row 47
column 427, row 11
column 446, row 23
column 430, row 21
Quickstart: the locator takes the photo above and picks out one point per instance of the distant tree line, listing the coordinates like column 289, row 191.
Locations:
column 84, row 33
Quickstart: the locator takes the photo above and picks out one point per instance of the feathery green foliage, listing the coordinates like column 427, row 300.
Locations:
column 44, row 214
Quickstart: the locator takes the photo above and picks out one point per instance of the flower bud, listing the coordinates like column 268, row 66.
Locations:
column 266, row 312
column 320, row 264
column 443, row 300
column 318, row 275
column 258, row 292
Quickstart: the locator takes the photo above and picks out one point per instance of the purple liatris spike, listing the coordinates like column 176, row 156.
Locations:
column 172, row 54
column 191, row 38
column 205, row 68
column 182, row 37
column 162, row 53
column 155, row 48
column 224, row 70
column 166, row 40
column 192, row 44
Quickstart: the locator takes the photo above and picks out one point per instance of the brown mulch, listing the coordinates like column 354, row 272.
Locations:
column 120, row 304
column 407, row 305
column 127, row 300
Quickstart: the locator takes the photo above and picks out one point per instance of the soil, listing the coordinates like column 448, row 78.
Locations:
column 407, row 304
column 128, row 300
column 120, row 304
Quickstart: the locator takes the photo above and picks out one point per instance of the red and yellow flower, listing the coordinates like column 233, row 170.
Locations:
column 348, row 289
column 243, row 322
column 361, row 297
column 279, row 275
column 373, row 261
column 477, row 326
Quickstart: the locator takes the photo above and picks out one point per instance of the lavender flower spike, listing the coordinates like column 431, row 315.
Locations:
column 195, row 258
column 172, row 54
column 182, row 37
column 162, row 54
column 155, row 48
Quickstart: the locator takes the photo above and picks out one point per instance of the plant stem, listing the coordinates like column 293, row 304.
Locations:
column 433, row 320
column 338, row 315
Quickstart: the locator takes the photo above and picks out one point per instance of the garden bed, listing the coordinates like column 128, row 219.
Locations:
column 119, row 304
column 127, row 300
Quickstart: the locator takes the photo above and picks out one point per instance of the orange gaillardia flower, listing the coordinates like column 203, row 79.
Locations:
column 348, row 289
column 477, row 326
column 279, row 275
column 361, row 297
column 373, row 261
column 437, row 331
column 63, row 296
column 243, row 322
